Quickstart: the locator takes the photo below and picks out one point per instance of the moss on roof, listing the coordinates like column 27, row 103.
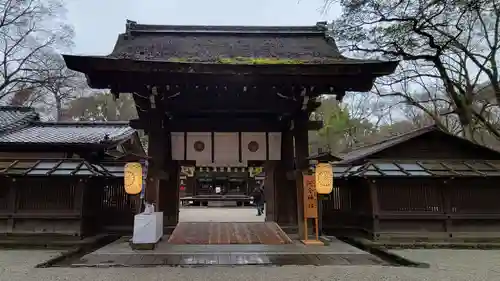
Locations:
column 243, row 60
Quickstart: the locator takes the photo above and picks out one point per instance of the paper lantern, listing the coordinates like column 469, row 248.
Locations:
column 324, row 178
column 133, row 178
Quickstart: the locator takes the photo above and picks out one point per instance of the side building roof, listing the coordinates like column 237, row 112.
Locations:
column 12, row 117
column 21, row 126
column 363, row 153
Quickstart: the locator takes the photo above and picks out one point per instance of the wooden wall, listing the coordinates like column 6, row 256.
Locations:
column 68, row 206
column 414, row 209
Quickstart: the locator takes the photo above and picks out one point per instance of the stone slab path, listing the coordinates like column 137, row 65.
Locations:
column 446, row 265
column 119, row 253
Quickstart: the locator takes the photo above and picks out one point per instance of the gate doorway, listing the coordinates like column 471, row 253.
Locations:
column 217, row 186
column 219, row 194
column 218, row 208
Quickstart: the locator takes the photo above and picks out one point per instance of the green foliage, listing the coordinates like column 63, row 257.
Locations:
column 243, row 60
column 340, row 130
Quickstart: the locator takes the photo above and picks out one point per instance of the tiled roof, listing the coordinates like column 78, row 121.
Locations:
column 12, row 117
column 365, row 151
column 420, row 168
column 69, row 133
column 324, row 156
column 59, row 167
column 211, row 43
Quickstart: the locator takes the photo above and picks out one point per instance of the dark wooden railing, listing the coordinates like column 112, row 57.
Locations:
column 113, row 209
column 65, row 206
column 407, row 208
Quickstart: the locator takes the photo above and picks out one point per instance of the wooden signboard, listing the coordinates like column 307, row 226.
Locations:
column 310, row 208
column 310, row 198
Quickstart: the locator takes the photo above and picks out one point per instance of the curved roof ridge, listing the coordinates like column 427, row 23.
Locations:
column 133, row 26
column 362, row 151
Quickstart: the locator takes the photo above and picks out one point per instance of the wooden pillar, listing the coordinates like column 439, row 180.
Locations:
column 11, row 204
column 285, row 188
column 169, row 194
column 156, row 152
column 372, row 185
column 301, row 145
column 169, row 187
column 269, row 190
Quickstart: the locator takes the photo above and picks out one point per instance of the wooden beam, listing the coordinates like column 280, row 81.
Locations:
column 137, row 124
column 225, row 125
column 214, row 103
column 216, row 125
column 126, row 82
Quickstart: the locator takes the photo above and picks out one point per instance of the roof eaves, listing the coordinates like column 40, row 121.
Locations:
column 118, row 139
column 25, row 121
column 84, row 123
column 367, row 150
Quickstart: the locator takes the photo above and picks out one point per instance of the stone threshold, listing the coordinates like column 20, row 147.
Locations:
column 229, row 259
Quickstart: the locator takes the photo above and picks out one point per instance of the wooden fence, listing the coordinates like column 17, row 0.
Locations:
column 61, row 205
column 414, row 209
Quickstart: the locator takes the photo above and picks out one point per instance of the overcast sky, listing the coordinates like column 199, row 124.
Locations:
column 98, row 22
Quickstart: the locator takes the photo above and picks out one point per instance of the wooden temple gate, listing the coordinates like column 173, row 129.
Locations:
column 232, row 79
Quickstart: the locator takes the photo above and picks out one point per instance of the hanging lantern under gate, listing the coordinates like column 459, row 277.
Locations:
column 133, row 178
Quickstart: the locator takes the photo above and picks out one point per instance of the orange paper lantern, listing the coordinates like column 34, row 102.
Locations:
column 324, row 178
column 133, row 178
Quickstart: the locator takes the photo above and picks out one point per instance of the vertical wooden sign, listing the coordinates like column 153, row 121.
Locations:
column 310, row 208
column 310, row 198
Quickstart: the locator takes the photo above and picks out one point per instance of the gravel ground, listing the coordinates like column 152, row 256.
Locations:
column 456, row 265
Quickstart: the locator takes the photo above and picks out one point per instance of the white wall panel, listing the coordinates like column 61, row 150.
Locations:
column 274, row 145
column 178, row 145
column 226, row 149
column 204, row 156
column 260, row 139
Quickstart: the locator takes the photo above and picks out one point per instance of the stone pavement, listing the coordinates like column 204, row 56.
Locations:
column 119, row 253
column 446, row 265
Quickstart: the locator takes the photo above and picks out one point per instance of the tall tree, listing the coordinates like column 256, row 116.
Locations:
column 61, row 85
column 452, row 44
column 101, row 107
column 29, row 30
column 341, row 129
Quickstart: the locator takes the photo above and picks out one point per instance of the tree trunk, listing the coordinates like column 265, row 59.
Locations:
column 59, row 112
